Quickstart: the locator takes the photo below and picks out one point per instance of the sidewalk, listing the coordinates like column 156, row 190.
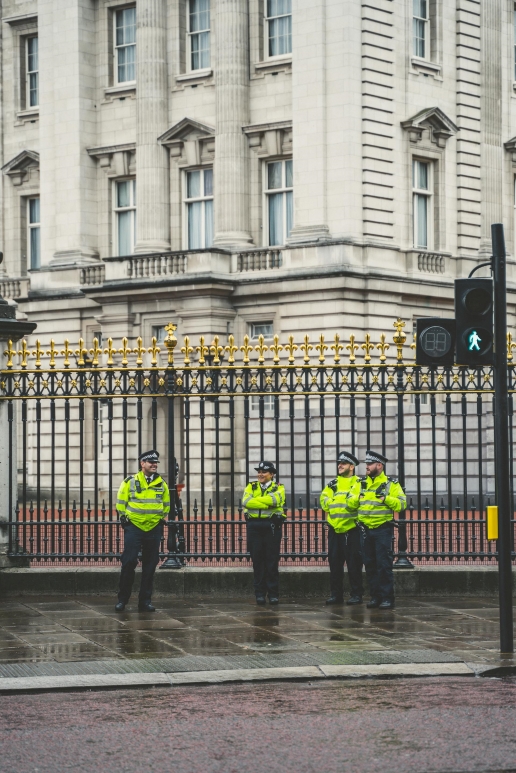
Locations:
column 58, row 643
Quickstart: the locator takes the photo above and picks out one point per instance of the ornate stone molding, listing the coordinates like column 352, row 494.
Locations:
column 116, row 160
column 510, row 146
column 22, row 167
column 432, row 120
column 270, row 139
column 190, row 142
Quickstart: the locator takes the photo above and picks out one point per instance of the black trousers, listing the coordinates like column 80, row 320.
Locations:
column 345, row 549
column 148, row 542
column 263, row 543
column 378, row 559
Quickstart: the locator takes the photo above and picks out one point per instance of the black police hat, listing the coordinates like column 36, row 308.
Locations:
column 347, row 456
column 265, row 467
column 375, row 456
column 149, row 456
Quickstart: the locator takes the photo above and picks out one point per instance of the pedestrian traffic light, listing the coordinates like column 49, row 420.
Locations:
column 435, row 341
column 474, row 321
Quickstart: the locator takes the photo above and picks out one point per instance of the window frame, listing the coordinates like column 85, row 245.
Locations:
column 116, row 48
column 267, row 192
column 262, row 323
column 426, row 36
column 266, row 37
column 187, row 201
column 428, row 195
column 190, row 34
column 33, row 265
column 117, row 210
column 268, row 404
column 29, row 72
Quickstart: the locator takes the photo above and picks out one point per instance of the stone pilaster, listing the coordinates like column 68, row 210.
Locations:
column 152, row 175
column 309, row 121
column 231, row 168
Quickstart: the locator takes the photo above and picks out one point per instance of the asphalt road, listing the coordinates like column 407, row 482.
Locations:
column 417, row 725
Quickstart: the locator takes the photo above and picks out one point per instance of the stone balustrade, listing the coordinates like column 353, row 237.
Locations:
column 12, row 287
column 93, row 275
column 259, row 260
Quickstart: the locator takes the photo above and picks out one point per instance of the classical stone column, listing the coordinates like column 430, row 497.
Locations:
column 231, row 168
column 309, row 121
column 152, row 175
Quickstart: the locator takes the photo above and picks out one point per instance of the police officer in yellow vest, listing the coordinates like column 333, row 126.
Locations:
column 263, row 502
column 344, row 534
column 376, row 498
column 143, row 501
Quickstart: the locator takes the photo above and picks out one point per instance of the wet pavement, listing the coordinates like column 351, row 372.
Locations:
column 402, row 726
column 38, row 629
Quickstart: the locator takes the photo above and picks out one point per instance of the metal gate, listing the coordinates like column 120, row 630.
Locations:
column 78, row 417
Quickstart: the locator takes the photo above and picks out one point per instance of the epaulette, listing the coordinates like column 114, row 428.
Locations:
column 393, row 480
column 332, row 482
column 126, row 480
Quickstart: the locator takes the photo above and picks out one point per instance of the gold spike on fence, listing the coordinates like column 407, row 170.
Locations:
column 318, row 351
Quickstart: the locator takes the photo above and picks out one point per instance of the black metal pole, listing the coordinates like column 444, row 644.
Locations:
column 503, row 489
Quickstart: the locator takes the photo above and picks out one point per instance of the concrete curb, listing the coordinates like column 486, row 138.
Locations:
column 120, row 681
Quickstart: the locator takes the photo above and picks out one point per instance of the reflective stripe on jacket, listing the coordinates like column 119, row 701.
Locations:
column 263, row 504
column 145, row 504
column 334, row 503
column 371, row 511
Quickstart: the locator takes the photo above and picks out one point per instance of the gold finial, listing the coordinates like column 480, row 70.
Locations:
column 38, row 351
column 510, row 347
column 382, row 347
column 187, row 350
column 10, row 353
column 231, row 348
column 400, row 337
column 367, row 346
column 52, row 353
column 413, row 345
column 261, row 349
column 110, row 351
column 306, row 348
column 291, row 347
column 154, row 350
column 203, row 350
column 80, row 352
column 95, row 352
column 170, row 341
column 321, row 348
column 246, row 348
column 352, row 347
column 337, row 347
column 24, row 353
column 124, row 351
column 67, row 352
column 216, row 350
column 276, row 348
column 139, row 350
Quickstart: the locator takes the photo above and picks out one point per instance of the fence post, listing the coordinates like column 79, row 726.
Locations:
column 402, row 562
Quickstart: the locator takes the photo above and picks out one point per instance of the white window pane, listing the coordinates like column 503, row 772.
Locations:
column 32, row 54
column 35, row 247
column 420, row 8
column 123, row 191
column 33, row 210
column 422, row 176
column 195, row 226
column 422, row 221
column 208, row 182
column 280, row 36
column 288, row 174
column 200, row 45
column 193, row 185
column 262, row 328
column 274, row 175
column 276, row 219
column 290, row 211
column 278, row 7
column 125, row 233
column 33, row 89
column 208, row 223
column 199, row 15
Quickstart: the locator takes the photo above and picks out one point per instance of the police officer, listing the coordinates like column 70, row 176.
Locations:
column 143, row 501
column 376, row 498
column 263, row 502
column 344, row 534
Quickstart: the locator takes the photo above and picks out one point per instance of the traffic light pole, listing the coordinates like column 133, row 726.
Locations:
column 502, row 476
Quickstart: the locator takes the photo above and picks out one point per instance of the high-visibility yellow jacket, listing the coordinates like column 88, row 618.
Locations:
column 259, row 503
column 371, row 511
column 333, row 502
column 145, row 504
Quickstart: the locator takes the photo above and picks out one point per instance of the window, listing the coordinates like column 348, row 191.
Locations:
column 159, row 333
column 198, row 35
column 514, row 31
column 268, row 404
column 103, row 428
column 421, row 25
column 264, row 329
column 422, row 202
column 125, row 216
column 278, row 20
column 125, row 45
column 199, row 208
column 279, row 197
column 32, row 73
column 34, row 235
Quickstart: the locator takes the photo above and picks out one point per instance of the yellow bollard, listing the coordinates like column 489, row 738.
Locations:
column 492, row 522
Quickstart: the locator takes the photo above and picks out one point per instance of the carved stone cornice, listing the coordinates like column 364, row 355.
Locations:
column 22, row 166
column 190, row 142
column 270, row 139
column 116, row 160
column 439, row 127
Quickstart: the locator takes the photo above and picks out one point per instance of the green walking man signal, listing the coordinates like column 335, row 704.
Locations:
column 474, row 340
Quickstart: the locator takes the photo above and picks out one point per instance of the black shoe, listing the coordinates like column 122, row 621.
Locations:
column 273, row 600
column 120, row 606
column 386, row 604
column 373, row 604
column 260, row 600
column 334, row 600
column 146, row 608
column 353, row 601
